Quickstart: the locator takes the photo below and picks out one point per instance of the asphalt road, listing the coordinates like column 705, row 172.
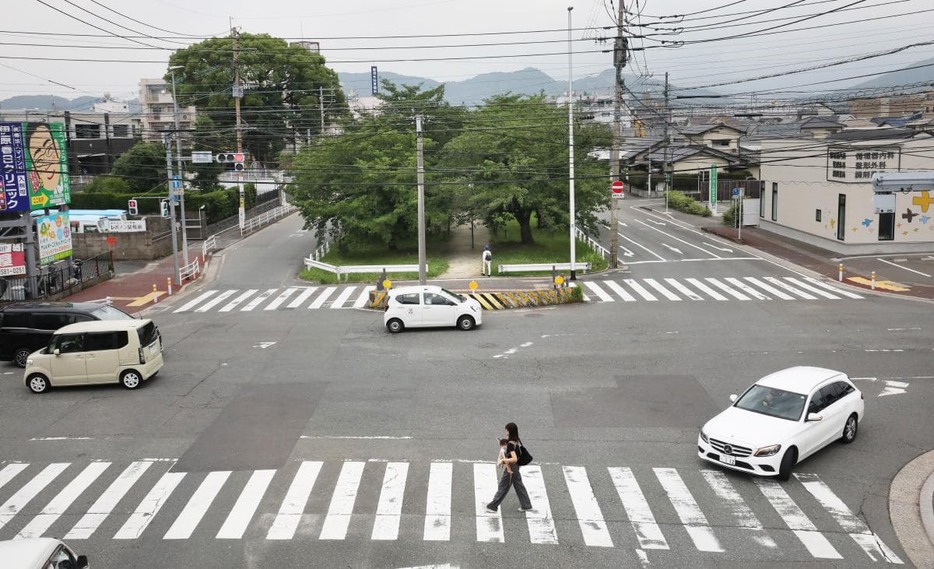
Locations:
column 311, row 437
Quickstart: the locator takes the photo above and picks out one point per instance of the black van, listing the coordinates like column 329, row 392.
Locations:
column 27, row 326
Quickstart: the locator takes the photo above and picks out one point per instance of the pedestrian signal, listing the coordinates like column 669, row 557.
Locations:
column 132, row 207
column 164, row 206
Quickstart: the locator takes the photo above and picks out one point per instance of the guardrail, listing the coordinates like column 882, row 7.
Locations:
column 604, row 253
column 266, row 218
column 541, row 267
column 209, row 244
column 190, row 270
column 321, row 251
column 344, row 270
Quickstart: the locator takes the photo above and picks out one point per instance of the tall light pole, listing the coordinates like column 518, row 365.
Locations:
column 178, row 168
column 420, row 181
column 572, row 224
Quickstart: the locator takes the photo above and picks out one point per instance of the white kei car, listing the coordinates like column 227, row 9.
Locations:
column 782, row 419
column 430, row 306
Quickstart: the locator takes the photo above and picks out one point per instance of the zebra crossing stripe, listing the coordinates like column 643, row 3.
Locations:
column 540, row 521
column 301, row 298
column 107, row 501
column 664, row 291
column 10, row 471
column 258, row 300
column 364, row 297
column 242, row 512
column 281, row 298
column 816, row 544
column 637, row 509
column 150, row 506
column 236, row 302
column 489, row 524
column 813, row 289
column 290, row 512
column 42, row 522
column 789, row 288
column 196, row 301
column 746, row 288
column 215, row 301
column 695, row 523
column 769, row 288
column 589, row 516
column 438, row 502
column 744, row 517
column 620, row 291
column 706, row 289
column 725, row 288
column 684, row 290
column 342, row 297
column 389, row 509
column 197, row 506
column 845, row 293
column 322, row 298
column 594, row 288
column 640, row 290
column 18, row 501
column 858, row 530
column 342, row 500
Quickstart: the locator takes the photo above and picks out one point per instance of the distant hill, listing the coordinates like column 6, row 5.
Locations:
column 919, row 72
column 48, row 103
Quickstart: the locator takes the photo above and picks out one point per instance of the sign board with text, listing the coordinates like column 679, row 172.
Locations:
column 54, row 233
column 12, row 259
column 121, row 225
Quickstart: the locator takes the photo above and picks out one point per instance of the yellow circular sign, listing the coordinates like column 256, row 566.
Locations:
column 473, row 285
column 387, row 284
column 559, row 280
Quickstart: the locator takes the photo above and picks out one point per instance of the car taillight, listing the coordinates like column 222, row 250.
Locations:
column 142, row 356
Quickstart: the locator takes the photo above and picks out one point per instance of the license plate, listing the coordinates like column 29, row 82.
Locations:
column 725, row 459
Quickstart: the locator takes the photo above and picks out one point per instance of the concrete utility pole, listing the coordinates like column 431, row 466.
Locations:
column 168, row 170
column 665, row 169
column 178, row 168
column 420, row 181
column 620, row 49
column 571, row 222
column 237, row 94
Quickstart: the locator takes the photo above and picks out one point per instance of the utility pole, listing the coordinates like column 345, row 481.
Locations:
column 620, row 49
column 321, row 106
column 237, row 94
column 420, row 181
column 178, row 168
column 571, row 223
column 168, row 170
column 665, row 169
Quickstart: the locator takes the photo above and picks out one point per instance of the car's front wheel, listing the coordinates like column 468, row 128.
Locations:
column 850, row 429
column 465, row 323
column 38, row 383
column 131, row 379
column 788, row 461
column 395, row 326
column 21, row 355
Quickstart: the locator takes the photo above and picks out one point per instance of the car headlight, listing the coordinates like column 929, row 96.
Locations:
column 28, row 361
column 703, row 436
column 768, row 451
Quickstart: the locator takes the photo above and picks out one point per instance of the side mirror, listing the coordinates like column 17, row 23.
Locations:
column 56, row 351
column 733, row 398
column 813, row 417
column 82, row 562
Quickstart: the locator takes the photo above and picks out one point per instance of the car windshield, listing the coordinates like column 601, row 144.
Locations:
column 772, row 402
column 106, row 312
column 458, row 297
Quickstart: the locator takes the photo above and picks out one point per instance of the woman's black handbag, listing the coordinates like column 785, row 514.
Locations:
column 525, row 457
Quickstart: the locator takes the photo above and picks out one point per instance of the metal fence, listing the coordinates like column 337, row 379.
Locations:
column 56, row 279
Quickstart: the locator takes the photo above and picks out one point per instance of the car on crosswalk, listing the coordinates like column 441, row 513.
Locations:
column 782, row 419
column 430, row 306
column 40, row 553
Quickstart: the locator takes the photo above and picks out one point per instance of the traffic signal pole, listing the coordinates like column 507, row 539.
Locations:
column 619, row 62
column 168, row 170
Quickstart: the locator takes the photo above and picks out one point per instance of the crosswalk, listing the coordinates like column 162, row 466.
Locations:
column 289, row 298
column 711, row 288
column 658, row 508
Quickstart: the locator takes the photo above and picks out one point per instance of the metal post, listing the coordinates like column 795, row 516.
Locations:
column 420, row 181
column 619, row 62
column 665, row 174
column 572, row 225
column 168, row 169
column 178, row 168
column 237, row 93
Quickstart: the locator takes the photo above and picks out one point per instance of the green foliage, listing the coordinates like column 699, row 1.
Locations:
column 729, row 216
column 681, row 202
column 373, row 256
column 549, row 247
column 207, row 137
column 219, row 204
column 142, row 167
column 107, row 185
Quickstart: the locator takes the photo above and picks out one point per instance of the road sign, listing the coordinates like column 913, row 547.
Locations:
column 737, row 192
column 473, row 286
column 617, row 188
column 387, row 284
column 202, row 157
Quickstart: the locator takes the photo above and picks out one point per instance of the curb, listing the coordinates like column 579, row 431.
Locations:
column 911, row 509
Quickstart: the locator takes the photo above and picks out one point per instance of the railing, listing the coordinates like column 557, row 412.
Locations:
column 266, row 218
column 541, row 267
column 55, row 279
column 190, row 270
column 345, row 270
column 321, row 251
column 593, row 243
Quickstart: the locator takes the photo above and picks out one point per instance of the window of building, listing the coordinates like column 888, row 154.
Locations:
column 87, row 131
column 774, row 201
column 722, row 142
column 817, row 215
column 887, row 226
column 121, row 131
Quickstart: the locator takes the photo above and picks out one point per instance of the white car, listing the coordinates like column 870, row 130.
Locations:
column 430, row 306
column 782, row 419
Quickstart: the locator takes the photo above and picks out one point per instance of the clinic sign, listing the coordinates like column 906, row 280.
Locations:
column 33, row 166
column 54, row 234
column 12, row 260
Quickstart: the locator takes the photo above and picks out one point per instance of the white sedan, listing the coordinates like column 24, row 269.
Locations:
column 430, row 306
column 782, row 419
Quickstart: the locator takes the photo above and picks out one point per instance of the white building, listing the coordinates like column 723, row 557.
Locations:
column 155, row 96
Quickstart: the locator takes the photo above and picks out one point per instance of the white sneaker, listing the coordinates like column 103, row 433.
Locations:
column 526, row 509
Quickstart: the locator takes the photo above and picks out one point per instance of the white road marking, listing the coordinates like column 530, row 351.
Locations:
column 637, row 509
column 595, row 288
column 259, row 300
column 815, row 542
column 489, row 524
column 302, row 297
column 197, row 300
column 640, row 290
column 540, row 521
column 905, row 268
column 675, row 249
column 236, row 302
column 664, row 291
column 322, row 298
column 42, row 522
column 688, row 243
column 10, row 471
column 858, row 530
column 343, row 296
column 744, row 517
column 290, row 512
column 893, row 388
column 789, row 288
column 727, row 289
column 589, row 516
column 717, row 247
column 281, row 298
column 216, row 300
column 438, row 502
column 695, row 523
column 706, row 289
column 769, row 289
column 647, row 250
column 364, row 297
column 836, row 290
column 24, row 495
column 684, row 290
column 810, row 288
column 746, row 288
column 337, row 519
column 243, row 510
column 389, row 509
column 197, row 506
column 107, row 501
column 150, row 506
column 620, row 291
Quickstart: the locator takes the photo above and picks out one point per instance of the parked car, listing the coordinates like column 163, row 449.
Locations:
column 27, row 326
column 40, row 553
column 105, row 351
column 782, row 419
column 430, row 306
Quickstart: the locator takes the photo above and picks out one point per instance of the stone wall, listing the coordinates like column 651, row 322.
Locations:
column 154, row 243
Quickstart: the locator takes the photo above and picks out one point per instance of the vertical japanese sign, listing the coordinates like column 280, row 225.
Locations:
column 374, row 81
column 713, row 186
column 47, row 165
column 12, row 259
column 54, row 237
column 13, row 168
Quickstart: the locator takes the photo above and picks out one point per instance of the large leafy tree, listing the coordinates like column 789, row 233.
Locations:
column 284, row 88
column 142, row 167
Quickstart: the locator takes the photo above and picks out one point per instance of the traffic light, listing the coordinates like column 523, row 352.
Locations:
column 132, row 207
column 235, row 158
column 164, row 206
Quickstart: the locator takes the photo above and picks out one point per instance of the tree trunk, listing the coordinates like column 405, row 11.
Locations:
column 524, row 218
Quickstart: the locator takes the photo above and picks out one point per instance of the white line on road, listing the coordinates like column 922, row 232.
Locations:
column 695, row 523
column 322, row 298
column 242, row 512
column 192, row 303
column 60, row 503
column 770, row 289
column 11, row 470
column 216, row 300
column 670, row 248
column 640, row 290
column 438, row 502
column 845, row 293
column 688, row 243
column 810, row 288
column 725, row 288
column 389, row 509
column 744, row 517
column 746, row 288
column 797, row 522
column 637, row 508
column 236, row 302
column 589, row 516
column 259, row 300
column 281, row 298
column 683, row 289
column 197, row 506
column 20, row 499
column 649, row 251
column 595, row 288
column 343, row 296
column 540, row 521
column 620, row 291
column 904, row 268
column 664, row 291
column 307, row 292
column 290, row 512
column 364, row 297
column 150, row 506
column 706, row 289
column 489, row 524
column 107, row 501
column 791, row 289
column 342, row 500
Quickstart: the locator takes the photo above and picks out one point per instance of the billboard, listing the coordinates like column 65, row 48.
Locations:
column 34, row 163
column 12, row 260
column 54, row 233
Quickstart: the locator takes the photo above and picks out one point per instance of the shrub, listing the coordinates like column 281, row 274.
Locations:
column 729, row 216
column 681, row 202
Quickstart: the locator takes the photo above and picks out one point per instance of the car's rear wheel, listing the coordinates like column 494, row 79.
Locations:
column 788, row 461
column 20, row 355
column 465, row 323
column 395, row 326
column 131, row 379
column 38, row 383
column 850, row 429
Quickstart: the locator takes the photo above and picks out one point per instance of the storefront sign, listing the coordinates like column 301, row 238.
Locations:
column 12, row 259
column 54, row 237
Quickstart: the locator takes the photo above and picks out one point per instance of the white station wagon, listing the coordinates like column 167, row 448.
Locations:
column 782, row 419
column 430, row 306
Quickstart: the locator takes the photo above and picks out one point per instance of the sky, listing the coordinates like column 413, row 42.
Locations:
column 73, row 48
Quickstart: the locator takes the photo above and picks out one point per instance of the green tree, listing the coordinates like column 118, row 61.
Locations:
column 206, row 137
column 142, row 167
column 106, row 185
column 282, row 87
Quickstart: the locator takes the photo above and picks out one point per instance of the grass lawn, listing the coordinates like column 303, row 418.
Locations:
column 437, row 265
column 548, row 247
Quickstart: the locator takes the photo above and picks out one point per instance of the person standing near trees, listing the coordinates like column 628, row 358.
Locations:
column 511, row 476
column 487, row 258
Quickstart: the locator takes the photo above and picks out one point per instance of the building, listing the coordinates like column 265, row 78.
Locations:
column 155, row 96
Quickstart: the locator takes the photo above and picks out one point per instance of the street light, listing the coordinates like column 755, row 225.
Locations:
column 178, row 158
column 572, row 225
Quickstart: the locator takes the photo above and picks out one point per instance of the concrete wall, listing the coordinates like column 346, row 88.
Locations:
column 154, row 243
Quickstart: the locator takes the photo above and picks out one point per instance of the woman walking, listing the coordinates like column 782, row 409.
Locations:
column 511, row 476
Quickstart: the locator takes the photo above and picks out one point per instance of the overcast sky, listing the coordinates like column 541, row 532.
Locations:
column 453, row 38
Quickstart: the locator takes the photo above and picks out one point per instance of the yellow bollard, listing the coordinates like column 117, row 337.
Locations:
column 840, row 272
column 873, row 280
column 168, row 285
column 155, row 293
